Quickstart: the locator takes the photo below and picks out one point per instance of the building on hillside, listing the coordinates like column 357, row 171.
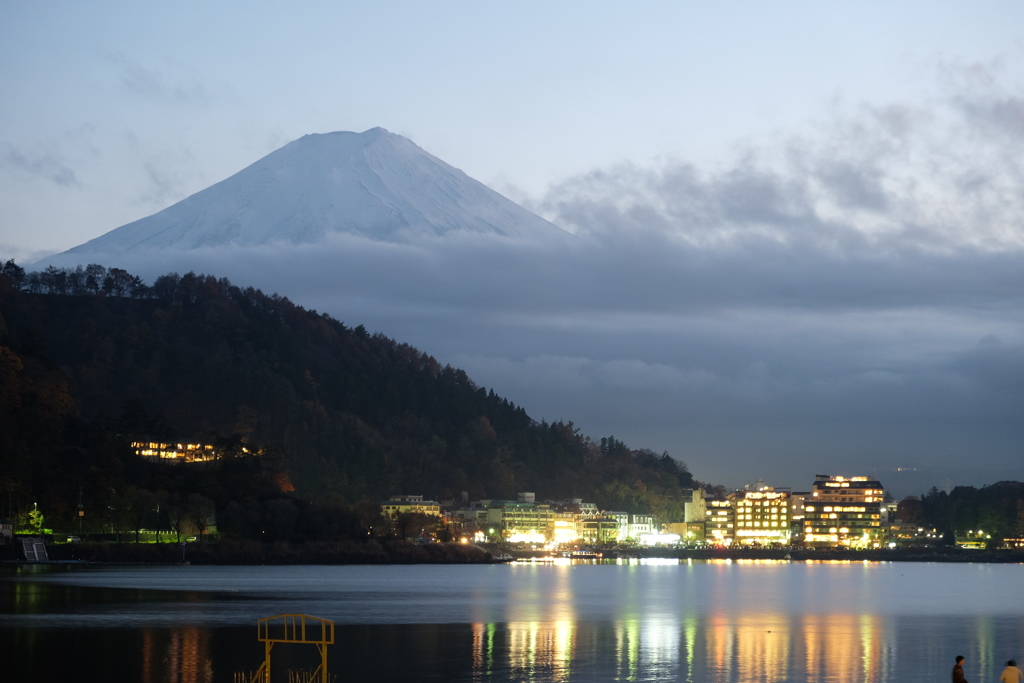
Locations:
column 622, row 518
column 575, row 509
column 719, row 522
column 761, row 516
column 600, row 530
column 695, row 509
column 691, row 530
column 905, row 533
column 519, row 521
column 844, row 512
column 564, row 527
column 631, row 527
column 397, row 505
column 640, row 525
column 176, row 452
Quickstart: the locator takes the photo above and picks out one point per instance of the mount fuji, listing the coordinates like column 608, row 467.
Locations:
column 375, row 185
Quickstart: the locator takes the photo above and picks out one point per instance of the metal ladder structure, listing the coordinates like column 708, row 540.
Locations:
column 34, row 549
column 296, row 629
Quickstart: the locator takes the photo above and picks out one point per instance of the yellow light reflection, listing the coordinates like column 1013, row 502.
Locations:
column 844, row 647
column 690, row 624
column 185, row 658
column 763, row 638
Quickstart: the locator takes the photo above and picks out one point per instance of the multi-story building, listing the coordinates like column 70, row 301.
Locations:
column 575, row 509
column 695, row 509
column 564, row 527
column 719, row 522
column 640, row 525
column 600, row 530
column 761, row 516
column 630, row 527
column 622, row 519
column 797, row 501
column 521, row 520
column 471, row 519
column 397, row 505
column 844, row 511
column 695, row 514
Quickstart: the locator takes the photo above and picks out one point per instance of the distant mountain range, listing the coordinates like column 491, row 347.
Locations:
column 374, row 184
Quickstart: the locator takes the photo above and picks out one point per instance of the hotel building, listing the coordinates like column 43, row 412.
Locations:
column 761, row 516
column 844, row 512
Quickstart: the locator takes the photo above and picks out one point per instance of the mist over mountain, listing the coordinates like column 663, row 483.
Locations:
column 375, row 185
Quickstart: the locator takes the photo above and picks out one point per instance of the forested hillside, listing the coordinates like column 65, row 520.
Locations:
column 92, row 358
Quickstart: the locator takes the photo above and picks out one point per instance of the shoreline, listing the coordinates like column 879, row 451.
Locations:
column 229, row 552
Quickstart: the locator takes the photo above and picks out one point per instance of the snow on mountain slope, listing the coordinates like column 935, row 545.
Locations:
column 374, row 184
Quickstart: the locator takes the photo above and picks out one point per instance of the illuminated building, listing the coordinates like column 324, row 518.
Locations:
column 688, row 532
column 695, row 514
column 564, row 527
column 622, row 519
column 177, row 452
column 640, row 525
column 521, row 520
column 397, row 505
column 905, row 533
column 844, row 512
column 761, row 516
column 797, row 501
column 600, row 530
column 575, row 509
column 695, row 509
column 719, row 522
column 630, row 527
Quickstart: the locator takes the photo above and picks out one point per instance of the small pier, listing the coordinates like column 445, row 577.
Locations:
column 292, row 629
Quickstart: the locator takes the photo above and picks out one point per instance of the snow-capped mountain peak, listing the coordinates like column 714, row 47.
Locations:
column 374, row 184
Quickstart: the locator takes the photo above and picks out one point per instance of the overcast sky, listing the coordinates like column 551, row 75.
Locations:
column 800, row 243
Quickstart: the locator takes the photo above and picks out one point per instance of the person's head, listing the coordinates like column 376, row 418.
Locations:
column 959, row 659
column 1012, row 662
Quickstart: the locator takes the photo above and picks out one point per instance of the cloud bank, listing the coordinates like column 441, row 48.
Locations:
column 846, row 299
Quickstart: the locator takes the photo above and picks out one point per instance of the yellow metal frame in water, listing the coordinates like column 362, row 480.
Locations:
column 301, row 629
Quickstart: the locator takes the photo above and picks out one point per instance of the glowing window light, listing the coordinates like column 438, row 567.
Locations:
column 659, row 539
column 526, row 536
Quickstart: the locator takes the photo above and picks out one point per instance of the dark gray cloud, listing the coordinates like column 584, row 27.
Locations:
column 940, row 175
column 767, row 361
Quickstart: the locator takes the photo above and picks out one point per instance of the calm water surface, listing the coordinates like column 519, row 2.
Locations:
column 713, row 622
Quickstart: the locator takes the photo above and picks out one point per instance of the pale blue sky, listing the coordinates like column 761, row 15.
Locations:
column 113, row 110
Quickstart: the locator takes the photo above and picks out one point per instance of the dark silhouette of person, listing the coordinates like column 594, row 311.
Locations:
column 958, row 670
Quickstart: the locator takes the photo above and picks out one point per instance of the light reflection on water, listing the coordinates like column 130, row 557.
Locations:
column 692, row 621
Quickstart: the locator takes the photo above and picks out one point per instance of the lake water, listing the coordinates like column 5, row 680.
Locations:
column 698, row 622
